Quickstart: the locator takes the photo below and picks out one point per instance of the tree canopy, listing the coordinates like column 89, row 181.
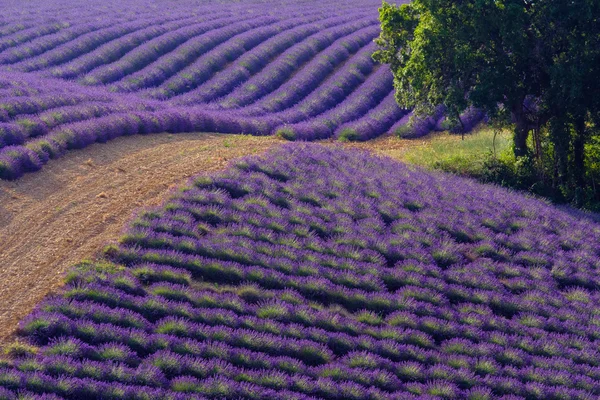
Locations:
column 531, row 65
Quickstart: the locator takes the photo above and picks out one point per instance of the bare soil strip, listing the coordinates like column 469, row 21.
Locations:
column 67, row 212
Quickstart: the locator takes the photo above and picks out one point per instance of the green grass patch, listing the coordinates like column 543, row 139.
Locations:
column 467, row 157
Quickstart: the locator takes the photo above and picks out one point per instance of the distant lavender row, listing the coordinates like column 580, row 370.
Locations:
column 376, row 122
column 45, row 43
column 153, row 49
column 283, row 67
column 115, row 49
column 250, row 63
column 307, row 80
column 322, row 273
column 82, row 45
column 353, row 107
column 198, row 60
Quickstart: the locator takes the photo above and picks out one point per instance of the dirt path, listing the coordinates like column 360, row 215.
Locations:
column 67, row 212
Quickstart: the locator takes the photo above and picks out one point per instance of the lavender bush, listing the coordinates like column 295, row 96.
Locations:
column 320, row 273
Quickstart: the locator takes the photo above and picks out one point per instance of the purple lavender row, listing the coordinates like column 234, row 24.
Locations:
column 45, row 43
column 287, row 106
column 411, row 127
column 285, row 266
column 38, row 95
column 17, row 23
column 375, row 123
column 347, row 260
column 81, row 45
column 20, row 106
column 27, row 35
column 317, row 72
column 452, row 292
column 23, row 129
column 198, row 58
column 318, row 101
column 359, row 331
column 152, row 374
column 16, row 84
column 252, row 62
column 234, row 272
column 210, row 63
column 17, row 160
column 470, row 351
column 52, row 329
column 353, row 107
column 280, row 69
column 246, row 222
column 116, row 49
column 282, row 229
column 46, row 387
column 195, row 370
column 91, row 41
column 453, row 345
column 153, row 49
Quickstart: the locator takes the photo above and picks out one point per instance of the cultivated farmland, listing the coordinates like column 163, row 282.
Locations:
column 278, row 270
column 295, row 275
column 303, row 71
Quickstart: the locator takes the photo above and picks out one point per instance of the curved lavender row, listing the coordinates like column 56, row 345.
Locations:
column 314, row 90
column 252, row 62
column 43, row 27
column 19, row 159
column 410, row 126
column 353, row 107
column 23, row 129
column 375, row 123
column 35, row 104
column 116, row 49
column 469, row 119
column 45, row 43
column 19, row 18
column 265, row 116
column 307, row 78
column 486, row 304
column 19, row 24
column 29, row 34
column 280, row 69
column 83, row 44
column 153, row 49
column 198, row 58
column 12, row 28
column 47, row 94
column 90, row 41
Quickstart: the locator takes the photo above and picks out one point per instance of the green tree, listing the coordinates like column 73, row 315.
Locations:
column 530, row 65
column 465, row 53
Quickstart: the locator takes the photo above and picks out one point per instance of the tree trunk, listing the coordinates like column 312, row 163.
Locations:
column 521, row 131
column 520, row 139
column 560, row 138
column 579, row 152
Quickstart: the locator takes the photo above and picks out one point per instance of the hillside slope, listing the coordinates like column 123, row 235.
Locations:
column 318, row 272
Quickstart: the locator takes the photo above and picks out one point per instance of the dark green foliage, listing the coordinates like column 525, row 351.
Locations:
column 531, row 66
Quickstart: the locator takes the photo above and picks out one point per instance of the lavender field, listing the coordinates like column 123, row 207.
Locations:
column 309, row 271
column 72, row 74
column 321, row 273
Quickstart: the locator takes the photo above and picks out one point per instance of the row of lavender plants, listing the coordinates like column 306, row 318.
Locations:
column 320, row 273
